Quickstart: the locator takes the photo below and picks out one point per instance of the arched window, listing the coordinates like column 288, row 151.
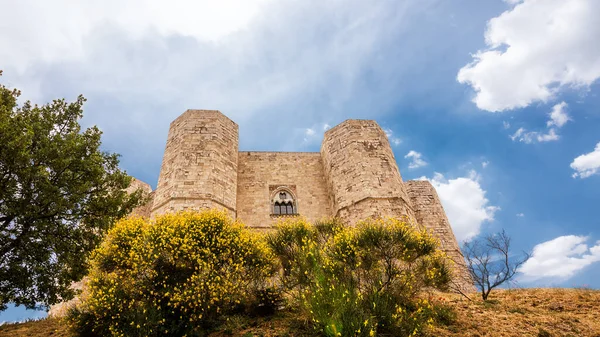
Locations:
column 283, row 203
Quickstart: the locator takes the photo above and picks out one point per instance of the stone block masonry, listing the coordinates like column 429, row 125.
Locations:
column 361, row 173
column 261, row 174
column 430, row 213
column 354, row 176
column 199, row 168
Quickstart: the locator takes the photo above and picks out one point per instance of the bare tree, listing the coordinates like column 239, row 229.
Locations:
column 490, row 263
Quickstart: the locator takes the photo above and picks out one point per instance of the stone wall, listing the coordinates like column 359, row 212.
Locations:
column 199, row 168
column 146, row 208
column 430, row 213
column 362, row 174
column 259, row 175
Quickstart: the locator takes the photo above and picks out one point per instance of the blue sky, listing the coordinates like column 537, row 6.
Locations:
column 496, row 102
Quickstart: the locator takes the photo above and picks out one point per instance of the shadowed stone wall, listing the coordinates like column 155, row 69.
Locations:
column 145, row 209
column 430, row 213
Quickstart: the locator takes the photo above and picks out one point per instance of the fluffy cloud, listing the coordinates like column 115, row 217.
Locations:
column 558, row 117
column 415, row 159
column 587, row 164
column 560, row 257
column 280, row 66
column 485, row 164
column 465, row 204
column 534, row 49
column 528, row 137
column 57, row 30
column 520, row 215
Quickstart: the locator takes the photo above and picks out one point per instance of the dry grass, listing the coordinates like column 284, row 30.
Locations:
column 521, row 312
column 527, row 312
column 44, row 327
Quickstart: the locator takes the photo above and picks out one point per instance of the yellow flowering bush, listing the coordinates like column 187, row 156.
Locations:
column 363, row 280
column 174, row 275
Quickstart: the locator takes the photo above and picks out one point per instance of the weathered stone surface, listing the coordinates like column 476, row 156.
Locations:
column 199, row 166
column 261, row 173
column 430, row 213
column 145, row 209
column 362, row 174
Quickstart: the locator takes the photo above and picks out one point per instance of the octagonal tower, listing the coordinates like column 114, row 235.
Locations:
column 362, row 174
column 199, row 168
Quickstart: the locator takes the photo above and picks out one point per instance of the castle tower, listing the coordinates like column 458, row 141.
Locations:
column 430, row 213
column 199, row 168
column 362, row 174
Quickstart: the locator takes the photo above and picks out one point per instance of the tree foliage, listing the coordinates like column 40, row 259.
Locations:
column 173, row 276
column 490, row 261
column 58, row 194
column 364, row 280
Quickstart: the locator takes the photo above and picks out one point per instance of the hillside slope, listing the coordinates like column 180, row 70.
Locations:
column 527, row 312
column 520, row 312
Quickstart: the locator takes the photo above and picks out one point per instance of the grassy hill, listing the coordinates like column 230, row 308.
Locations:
column 520, row 312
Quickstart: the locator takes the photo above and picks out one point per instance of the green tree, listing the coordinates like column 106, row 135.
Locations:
column 58, row 194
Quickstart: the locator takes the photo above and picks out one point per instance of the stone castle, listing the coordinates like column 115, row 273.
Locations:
column 353, row 177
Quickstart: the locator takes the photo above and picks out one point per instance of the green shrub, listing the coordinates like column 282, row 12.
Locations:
column 172, row 276
column 363, row 280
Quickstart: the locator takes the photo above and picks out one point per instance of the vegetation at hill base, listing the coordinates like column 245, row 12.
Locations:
column 58, row 194
column 188, row 274
column 516, row 312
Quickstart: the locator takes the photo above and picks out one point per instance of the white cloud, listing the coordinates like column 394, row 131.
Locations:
column 148, row 71
column 393, row 140
column 506, row 125
column 57, row 30
column 528, row 137
column 310, row 132
column 558, row 116
column 587, row 164
column 465, row 204
column 485, row 164
column 534, row 49
column 560, row 257
column 415, row 159
column 520, row 215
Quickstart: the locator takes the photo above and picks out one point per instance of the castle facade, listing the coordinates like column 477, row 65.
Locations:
column 353, row 177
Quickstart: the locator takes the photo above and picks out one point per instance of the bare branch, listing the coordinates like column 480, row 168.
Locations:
column 489, row 262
